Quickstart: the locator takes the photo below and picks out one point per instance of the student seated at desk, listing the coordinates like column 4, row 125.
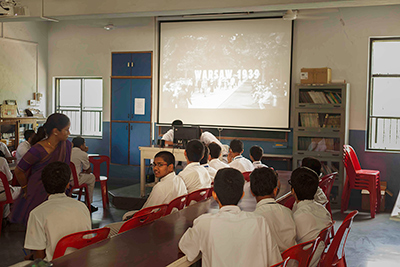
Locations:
column 204, row 162
column 256, row 153
column 194, row 175
column 26, row 145
column 56, row 217
column 315, row 165
column 231, row 237
column 15, row 190
column 215, row 153
column 309, row 216
column 235, row 158
column 265, row 186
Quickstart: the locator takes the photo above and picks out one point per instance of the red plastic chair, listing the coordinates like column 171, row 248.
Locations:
column 302, row 253
column 80, row 240
column 178, row 203
column 155, row 212
column 210, row 191
column 287, row 200
column 80, row 187
column 335, row 254
column 357, row 178
column 9, row 198
column 97, row 161
column 326, row 184
column 246, row 176
column 14, row 153
column 281, row 264
column 197, row 195
column 135, row 222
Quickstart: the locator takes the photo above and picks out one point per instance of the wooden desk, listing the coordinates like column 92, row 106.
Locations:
column 149, row 153
column 287, row 158
column 155, row 244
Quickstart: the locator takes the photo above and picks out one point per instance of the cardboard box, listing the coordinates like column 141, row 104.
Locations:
column 316, row 76
column 9, row 111
column 365, row 197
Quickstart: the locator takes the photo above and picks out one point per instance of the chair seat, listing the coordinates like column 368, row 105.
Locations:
column 367, row 172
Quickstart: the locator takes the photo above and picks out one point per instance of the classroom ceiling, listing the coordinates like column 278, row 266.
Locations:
column 95, row 9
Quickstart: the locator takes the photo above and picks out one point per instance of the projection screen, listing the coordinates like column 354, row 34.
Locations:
column 225, row 72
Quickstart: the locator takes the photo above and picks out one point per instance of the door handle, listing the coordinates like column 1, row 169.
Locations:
column 132, row 64
column 128, row 64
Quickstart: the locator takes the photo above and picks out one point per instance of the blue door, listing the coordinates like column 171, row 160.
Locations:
column 119, row 142
column 121, row 95
column 121, row 64
column 141, row 89
column 139, row 136
column 141, row 64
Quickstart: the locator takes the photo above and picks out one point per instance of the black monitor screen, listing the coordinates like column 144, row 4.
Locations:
column 183, row 134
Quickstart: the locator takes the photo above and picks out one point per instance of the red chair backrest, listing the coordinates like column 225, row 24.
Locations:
column 353, row 157
column 333, row 255
column 7, row 190
column 302, row 252
column 281, row 264
column 135, row 222
column 324, row 234
column 155, row 212
column 246, row 176
column 349, row 166
column 287, row 200
column 80, row 240
column 96, row 161
column 326, row 183
column 178, row 203
column 74, row 174
column 197, row 195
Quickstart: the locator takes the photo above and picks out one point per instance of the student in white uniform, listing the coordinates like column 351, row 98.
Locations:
column 315, row 165
column 204, row 162
column 169, row 135
column 215, row 153
column 194, row 175
column 256, row 153
column 26, row 145
column 265, row 186
column 15, row 190
column 56, row 217
column 221, row 237
column 6, row 152
column 80, row 158
column 235, row 158
column 309, row 216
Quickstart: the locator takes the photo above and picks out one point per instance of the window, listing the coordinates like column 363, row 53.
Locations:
column 384, row 95
column 81, row 99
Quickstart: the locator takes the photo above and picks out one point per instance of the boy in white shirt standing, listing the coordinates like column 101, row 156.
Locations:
column 235, row 158
column 265, row 186
column 194, row 175
column 215, row 153
column 256, row 153
column 81, row 160
column 24, row 146
column 204, row 162
column 231, row 237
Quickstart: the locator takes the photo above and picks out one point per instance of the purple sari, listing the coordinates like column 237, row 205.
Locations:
column 32, row 165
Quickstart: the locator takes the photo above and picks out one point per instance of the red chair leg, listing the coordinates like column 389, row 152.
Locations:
column 345, row 199
column 104, row 193
column 341, row 262
column 378, row 196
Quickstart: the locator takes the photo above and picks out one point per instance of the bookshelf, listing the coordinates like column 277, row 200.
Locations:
column 321, row 129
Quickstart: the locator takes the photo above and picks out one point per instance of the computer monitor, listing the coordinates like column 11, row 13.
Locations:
column 183, row 134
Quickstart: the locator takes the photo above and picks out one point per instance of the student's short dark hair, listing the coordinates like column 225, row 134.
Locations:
column 28, row 134
column 55, row 177
column 236, row 146
column 312, row 163
column 204, row 159
column 228, row 185
column 78, row 141
column 263, row 181
column 194, row 150
column 256, row 152
column 215, row 150
column 177, row 123
column 305, row 183
column 167, row 156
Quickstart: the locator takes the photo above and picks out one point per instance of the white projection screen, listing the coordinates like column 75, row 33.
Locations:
column 226, row 72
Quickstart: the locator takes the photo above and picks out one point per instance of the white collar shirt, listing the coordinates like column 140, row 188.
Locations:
column 195, row 177
column 81, row 159
column 259, row 164
column 280, row 221
column 211, row 171
column 53, row 219
column 223, row 242
column 218, row 164
column 168, row 136
column 170, row 187
column 319, row 197
column 4, row 149
column 4, row 168
column 22, row 149
column 242, row 164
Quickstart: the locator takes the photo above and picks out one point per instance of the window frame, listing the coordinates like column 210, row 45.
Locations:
column 57, row 106
column 370, row 99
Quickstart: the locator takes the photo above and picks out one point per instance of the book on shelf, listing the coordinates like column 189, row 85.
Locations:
column 331, row 121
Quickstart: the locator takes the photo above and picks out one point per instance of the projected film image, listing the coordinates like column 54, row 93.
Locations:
column 235, row 69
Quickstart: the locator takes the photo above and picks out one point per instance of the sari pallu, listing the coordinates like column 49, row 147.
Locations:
column 32, row 165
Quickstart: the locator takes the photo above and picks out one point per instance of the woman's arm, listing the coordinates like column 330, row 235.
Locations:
column 22, row 180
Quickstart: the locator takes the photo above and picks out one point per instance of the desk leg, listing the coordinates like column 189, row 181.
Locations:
column 142, row 176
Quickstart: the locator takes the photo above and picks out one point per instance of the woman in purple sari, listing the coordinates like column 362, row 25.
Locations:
column 55, row 147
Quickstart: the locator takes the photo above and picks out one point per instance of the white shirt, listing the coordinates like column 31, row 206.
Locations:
column 230, row 237
column 218, row 164
column 52, row 220
column 211, row 171
column 6, row 170
column 195, row 177
column 259, row 164
column 319, row 197
column 209, row 138
column 311, row 218
column 280, row 221
column 4, row 149
column 81, row 159
column 242, row 164
column 168, row 136
column 169, row 188
column 22, row 149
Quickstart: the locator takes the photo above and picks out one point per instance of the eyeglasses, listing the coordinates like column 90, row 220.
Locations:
column 159, row 165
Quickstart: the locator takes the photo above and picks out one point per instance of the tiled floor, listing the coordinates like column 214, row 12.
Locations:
column 371, row 242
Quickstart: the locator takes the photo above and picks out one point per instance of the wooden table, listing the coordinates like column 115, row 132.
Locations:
column 155, row 244
column 149, row 153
